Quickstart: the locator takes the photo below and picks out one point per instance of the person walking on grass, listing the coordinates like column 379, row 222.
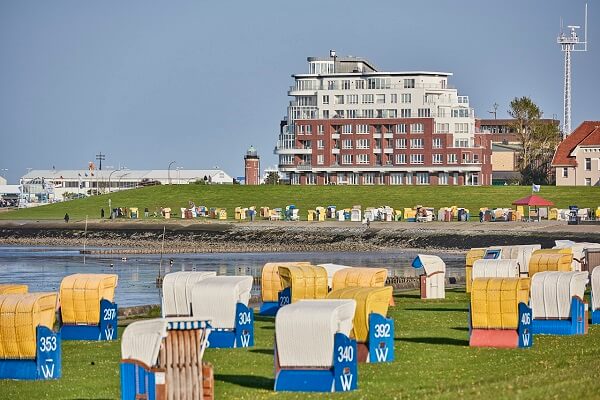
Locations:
column 101, row 213
column 67, row 217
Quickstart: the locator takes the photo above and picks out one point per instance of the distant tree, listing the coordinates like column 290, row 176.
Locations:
column 272, row 178
column 538, row 141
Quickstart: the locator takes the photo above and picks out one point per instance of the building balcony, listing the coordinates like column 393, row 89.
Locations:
column 388, row 135
column 301, row 150
column 377, row 150
column 388, row 150
column 335, row 150
column 335, row 135
column 377, row 135
column 304, row 167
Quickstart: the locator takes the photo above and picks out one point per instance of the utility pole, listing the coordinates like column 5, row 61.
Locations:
column 100, row 157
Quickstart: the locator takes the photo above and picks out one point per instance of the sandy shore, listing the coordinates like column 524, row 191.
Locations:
column 213, row 236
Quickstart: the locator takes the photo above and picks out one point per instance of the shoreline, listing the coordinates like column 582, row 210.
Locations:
column 208, row 236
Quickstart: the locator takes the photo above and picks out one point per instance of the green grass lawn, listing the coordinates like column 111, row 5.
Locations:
column 307, row 197
column 433, row 360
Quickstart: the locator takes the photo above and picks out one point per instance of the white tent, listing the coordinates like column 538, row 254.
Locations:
column 177, row 288
column 215, row 298
column 551, row 293
column 305, row 331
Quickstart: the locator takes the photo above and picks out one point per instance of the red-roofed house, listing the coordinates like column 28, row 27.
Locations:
column 577, row 158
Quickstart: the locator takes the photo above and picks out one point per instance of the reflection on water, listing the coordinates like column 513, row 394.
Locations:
column 42, row 268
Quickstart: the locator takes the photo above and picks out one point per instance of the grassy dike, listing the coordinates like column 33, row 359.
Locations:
column 433, row 360
column 306, row 197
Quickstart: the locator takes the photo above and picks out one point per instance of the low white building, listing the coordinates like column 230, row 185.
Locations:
column 46, row 185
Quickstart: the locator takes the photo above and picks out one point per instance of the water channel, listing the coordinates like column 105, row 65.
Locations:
column 42, row 268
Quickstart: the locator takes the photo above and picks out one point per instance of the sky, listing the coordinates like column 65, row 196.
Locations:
column 198, row 82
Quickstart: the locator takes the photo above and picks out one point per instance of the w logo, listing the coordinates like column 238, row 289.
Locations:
column 526, row 338
column 47, row 371
column 381, row 353
column 245, row 339
column 109, row 333
column 346, row 381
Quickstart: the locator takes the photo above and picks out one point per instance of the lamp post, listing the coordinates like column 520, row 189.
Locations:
column 121, row 177
column 109, row 175
column 169, row 171
column 178, row 180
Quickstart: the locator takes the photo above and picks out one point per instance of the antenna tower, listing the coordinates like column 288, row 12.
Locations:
column 570, row 42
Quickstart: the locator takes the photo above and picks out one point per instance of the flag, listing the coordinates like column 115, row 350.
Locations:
column 535, row 188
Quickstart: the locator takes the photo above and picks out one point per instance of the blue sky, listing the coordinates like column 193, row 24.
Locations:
column 196, row 82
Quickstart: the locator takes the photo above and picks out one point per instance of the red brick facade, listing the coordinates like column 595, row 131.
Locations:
column 384, row 138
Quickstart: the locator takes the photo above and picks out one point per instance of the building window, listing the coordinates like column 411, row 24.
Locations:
column 452, row 159
column 409, row 83
column 368, row 178
column 588, row 181
column 347, row 144
column 354, row 179
column 363, row 128
column 346, row 84
column 339, row 99
column 437, row 143
column 352, row 113
column 362, row 144
column 443, row 178
column 360, row 84
column 461, row 128
column 379, row 83
column 286, row 159
column 320, row 129
column 325, row 114
column 422, row 178
column 424, row 113
column 416, row 143
column 368, row 98
column 347, row 128
column 588, row 164
column 461, row 143
column 396, row 178
column 393, row 98
column 308, row 129
column 326, row 99
column 401, row 128
column 417, row 128
column 368, row 113
column 405, row 113
column 437, row 158
column 400, row 159
column 400, row 143
column 380, row 98
column 442, row 128
column 417, row 159
column 406, row 98
column 320, row 144
column 460, row 112
column 352, row 99
column 362, row 158
column 320, row 159
column 346, row 158
column 565, row 172
column 311, row 179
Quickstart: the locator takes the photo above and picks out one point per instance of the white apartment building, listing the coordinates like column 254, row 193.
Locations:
column 349, row 123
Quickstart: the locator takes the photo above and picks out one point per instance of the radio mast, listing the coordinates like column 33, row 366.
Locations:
column 570, row 42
